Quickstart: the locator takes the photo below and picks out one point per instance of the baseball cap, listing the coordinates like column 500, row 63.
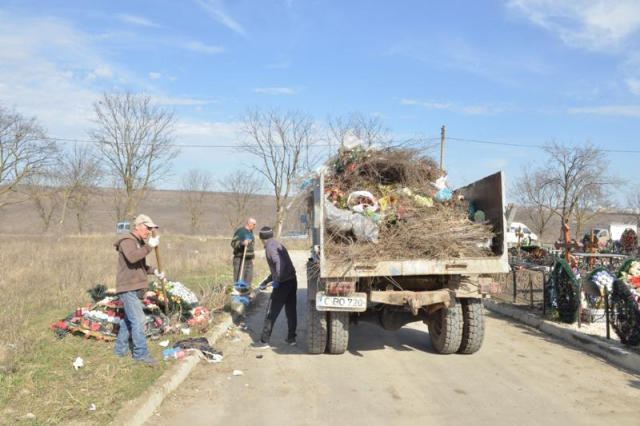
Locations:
column 143, row 219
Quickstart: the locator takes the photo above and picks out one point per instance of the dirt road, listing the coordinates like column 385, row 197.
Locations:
column 519, row 377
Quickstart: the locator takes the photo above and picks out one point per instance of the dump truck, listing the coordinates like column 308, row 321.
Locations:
column 446, row 294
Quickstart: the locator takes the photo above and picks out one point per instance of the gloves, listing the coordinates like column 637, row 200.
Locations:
column 154, row 241
column 159, row 275
column 275, row 284
column 263, row 286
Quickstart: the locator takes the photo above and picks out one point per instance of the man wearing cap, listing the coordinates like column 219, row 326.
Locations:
column 243, row 237
column 285, row 286
column 130, row 279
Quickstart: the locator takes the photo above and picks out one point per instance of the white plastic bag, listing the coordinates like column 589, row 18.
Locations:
column 354, row 202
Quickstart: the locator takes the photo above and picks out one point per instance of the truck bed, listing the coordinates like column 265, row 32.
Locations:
column 487, row 194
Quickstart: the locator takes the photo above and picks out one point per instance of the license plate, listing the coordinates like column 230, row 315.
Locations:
column 355, row 303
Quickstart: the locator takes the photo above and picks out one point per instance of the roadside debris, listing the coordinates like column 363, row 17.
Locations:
column 79, row 362
column 238, row 373
column 92, row 407
column 102, row 320
column 164, row 343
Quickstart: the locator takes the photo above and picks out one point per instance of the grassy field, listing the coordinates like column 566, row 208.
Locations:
column 45, row 278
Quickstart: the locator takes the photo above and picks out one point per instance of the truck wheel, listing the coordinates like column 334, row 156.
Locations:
column 316, row 329
column 473, row 327
column 445, row 329
column 338, row 332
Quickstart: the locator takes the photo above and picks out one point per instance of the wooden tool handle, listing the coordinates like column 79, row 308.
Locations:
column 154, row 234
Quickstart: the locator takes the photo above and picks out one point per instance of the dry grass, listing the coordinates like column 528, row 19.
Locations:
column 42, row 280
column 413, row 226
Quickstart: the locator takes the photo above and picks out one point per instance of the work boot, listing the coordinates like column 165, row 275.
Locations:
column 259, row 345
column 291, row 341
column 147, row 361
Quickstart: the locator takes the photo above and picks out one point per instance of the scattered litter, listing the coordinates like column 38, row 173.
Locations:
column 235, row 340
column 241, row 299
column 164, row 343
column 79, row 362
column 173, row 353
column 244, row 327
column 186, row 331
column 201, row 344
column 238, row 373
column 259, row 356
column 92, row 407
column 29, row 416
column 214, row 358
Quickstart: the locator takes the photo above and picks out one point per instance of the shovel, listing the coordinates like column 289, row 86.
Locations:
column 239, row 281
column 159, row 266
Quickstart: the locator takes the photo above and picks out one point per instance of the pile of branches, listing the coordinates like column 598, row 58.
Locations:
column 412, row 225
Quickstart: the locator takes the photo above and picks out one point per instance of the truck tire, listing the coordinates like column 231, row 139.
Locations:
column 338, row 332
column 316, row 329
column 473, row 326
column 445, row 329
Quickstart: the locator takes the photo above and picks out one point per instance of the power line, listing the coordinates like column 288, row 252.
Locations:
column 534, row 146
column 412, row 140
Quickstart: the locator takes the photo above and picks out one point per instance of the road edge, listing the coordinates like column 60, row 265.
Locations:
column 136, row 412
column 615, row 353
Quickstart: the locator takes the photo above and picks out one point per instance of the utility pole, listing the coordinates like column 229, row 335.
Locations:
column 442, row 138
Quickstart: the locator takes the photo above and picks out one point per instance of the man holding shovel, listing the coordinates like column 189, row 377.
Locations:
column 130, row 279
column 242, row 243
column 285, row 286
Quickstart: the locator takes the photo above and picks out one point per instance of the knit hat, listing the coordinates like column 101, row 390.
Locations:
column 266, row 232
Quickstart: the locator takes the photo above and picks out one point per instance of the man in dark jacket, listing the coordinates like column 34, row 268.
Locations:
column 285, row 286
column 132, row 277
column 243, row 237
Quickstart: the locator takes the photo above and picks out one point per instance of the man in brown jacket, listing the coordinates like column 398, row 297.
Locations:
column 132, row 277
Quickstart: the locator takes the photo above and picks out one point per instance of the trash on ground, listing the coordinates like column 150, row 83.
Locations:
column 241, row 300
column 102, row 319
column 186, row 331
column 79, row 362
column 164, row 343
column 201, row 344
column 92, row 407
column 238, row 373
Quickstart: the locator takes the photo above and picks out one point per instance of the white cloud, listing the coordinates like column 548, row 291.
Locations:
column 599, row 25
column 216, row 11
column 180, row 100
column 155, row 75
column 136, row 20
column 199, row 47
column 634, row 85
column 488, row 109
column 612, row 110
column 102, row 72
column 276, row 90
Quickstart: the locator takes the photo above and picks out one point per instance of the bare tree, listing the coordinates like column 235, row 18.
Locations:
column 44, row 192
column 573, row 171
column 282, row 142
column 135, row 139
column 242, row 188
column 80, row 174
column 538, row 198
column 591, row 203
column 196, row 186
column 368, row 128
column 634, row 205
column 24, row 152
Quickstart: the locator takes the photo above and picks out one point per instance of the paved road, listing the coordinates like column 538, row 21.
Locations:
column 520, row 376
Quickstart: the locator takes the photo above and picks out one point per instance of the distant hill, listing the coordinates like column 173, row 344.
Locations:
column 164, row 207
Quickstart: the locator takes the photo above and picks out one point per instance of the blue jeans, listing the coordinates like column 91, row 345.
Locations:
column 132, row 326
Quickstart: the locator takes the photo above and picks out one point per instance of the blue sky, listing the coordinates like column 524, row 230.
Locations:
column 514, row 71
